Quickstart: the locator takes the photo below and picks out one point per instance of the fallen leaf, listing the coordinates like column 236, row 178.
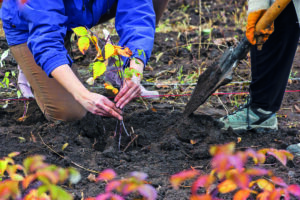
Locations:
column 64, row 146
column 153, row 110
column 91, row 178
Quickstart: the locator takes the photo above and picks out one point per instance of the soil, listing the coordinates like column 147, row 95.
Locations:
column 160, row 137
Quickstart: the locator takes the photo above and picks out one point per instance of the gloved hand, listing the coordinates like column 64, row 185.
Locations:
column 24, row 85
column 262, row 37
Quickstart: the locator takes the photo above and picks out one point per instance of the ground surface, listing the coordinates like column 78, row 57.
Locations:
column 163, row 137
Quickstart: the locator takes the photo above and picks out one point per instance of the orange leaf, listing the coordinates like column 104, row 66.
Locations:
column 28, row 180
column 263, row 195
column 115, row 91
column 201, row 197
column 123, row 52
column 227, row 186
column 241, row 195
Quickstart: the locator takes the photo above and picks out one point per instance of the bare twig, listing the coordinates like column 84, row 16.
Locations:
column 136, row 136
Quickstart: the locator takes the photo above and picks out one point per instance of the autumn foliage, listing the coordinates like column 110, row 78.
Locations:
column 105, row 51
column 119, row 189
column 35, row 179
column 229, row 175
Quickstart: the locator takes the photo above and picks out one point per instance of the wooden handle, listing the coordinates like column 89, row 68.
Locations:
column 271, row 14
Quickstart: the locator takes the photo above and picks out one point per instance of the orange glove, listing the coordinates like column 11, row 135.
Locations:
column 262, row 37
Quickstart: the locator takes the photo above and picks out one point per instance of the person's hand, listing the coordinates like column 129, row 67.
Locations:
column 100, row 105
column 129, row 91
column 262, row 37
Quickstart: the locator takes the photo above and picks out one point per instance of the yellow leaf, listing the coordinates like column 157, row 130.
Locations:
column 80, row 31
column 94, row 40
column 227, row 186
column 109, row 50
column 83, row 44
column 98, row 69
column 64, row 146
column 193, row 141
column 265, row 185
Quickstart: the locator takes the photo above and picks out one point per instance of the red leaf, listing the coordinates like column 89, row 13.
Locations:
column 177, row 179
column 278, row 181
column 107, row 175
column 202, row 181
column 112, row 185
column 294, row 190
column 257, row 172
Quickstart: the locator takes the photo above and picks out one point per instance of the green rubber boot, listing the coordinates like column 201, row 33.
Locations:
column 247, row 118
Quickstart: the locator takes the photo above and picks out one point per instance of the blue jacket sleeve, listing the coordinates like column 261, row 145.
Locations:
column 135, row 24
column 47, row 29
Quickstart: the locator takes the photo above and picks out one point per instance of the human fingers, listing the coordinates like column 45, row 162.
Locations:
column 122, row 92
column 132, row 92
column 133, row 95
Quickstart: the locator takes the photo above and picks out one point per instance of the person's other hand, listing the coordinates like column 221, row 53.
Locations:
column 130, row 90
column 100, row 105
column 262, row 37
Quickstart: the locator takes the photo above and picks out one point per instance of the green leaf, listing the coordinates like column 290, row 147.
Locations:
column 98, row 69
column 17, row 177
column 42, row 190
column 80, row 31
column 140, row 52
column 83, row 44
column 19, row 94
column 3, row 166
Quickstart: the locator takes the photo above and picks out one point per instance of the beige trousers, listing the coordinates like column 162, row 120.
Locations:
column 55, row 101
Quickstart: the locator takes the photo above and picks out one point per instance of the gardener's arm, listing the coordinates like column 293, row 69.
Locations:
column 93, row 102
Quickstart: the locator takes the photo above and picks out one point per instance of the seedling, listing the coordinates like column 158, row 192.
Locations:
column 229, row 174
column 107, row 50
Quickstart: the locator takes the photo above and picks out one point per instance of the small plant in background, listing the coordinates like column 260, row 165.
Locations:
column 34, row 179
column 229, row 174
column 120, row 189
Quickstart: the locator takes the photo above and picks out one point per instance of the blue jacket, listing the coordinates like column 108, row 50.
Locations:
column 43, row 25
